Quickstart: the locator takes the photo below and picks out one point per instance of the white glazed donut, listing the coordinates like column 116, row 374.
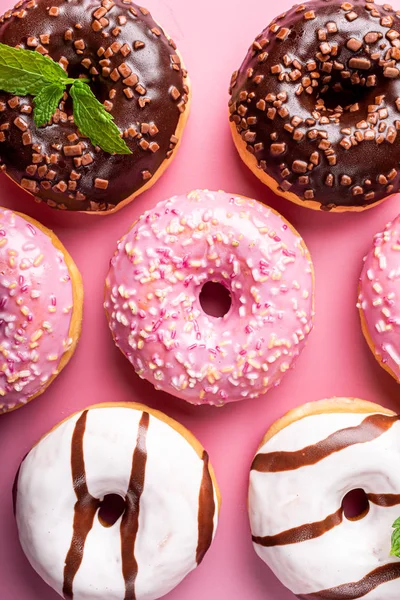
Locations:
column 307, row 463
column 171, row 504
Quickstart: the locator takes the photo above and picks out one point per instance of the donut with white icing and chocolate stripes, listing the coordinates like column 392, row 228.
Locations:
column 167, row 522
column 308, row 462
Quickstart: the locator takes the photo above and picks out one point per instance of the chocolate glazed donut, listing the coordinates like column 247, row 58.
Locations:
column 315, row 106
column 135, row 72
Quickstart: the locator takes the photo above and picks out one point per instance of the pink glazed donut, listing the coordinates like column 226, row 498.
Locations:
column 153, row 297
column 379, row 298
column 41, row 298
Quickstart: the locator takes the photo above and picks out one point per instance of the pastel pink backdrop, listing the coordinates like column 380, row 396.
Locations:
column 213, row 36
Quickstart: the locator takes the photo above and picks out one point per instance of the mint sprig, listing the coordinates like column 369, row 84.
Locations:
column 94, row 121
column 24, row 72
column 46, row 102
column 395, row 551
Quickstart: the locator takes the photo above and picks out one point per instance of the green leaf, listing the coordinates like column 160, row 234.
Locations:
column 26, row 71
column 46, row 102
column 395, row 551
column 94, row 121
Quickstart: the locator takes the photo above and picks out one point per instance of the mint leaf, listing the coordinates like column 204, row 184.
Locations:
column 46, row 102
column 395, row 551
column 26, row 71
column 94, row 121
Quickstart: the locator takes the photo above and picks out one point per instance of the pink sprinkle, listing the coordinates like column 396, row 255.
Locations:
column 212, row 351
column 246, row 367
column 192, row 347
column 157, row 324
column 142, row 313
column 223, row 394
column 198, row 336
column 31, row 228
column 284, row 226
column 248, row 329
column 2, row 233
column 29, row 318
column 24, row 288
column 188, row 280
column 243, row 352
column 173, row 334
column 53, row 300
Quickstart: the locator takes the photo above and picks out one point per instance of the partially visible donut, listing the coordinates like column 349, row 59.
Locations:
column 41, row 303
column 315, row 106
column 170, row 502
column 135, row 71
column 379, row 298
column 158, row 273
column 306, row 467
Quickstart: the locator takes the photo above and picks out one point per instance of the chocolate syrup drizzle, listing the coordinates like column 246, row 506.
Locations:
column 85, row 509
column 370, row 429
column 130, row 519
column 206, row 511
column 358, row 589
column 310, row 531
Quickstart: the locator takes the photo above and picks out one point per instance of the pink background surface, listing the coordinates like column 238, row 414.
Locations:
column 213, row 37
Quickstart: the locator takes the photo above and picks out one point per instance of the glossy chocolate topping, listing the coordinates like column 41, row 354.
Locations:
column 135, row 72
column 317, row 101
column 371, row 428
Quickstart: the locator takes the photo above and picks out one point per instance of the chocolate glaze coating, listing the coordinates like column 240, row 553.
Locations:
column 135, row 71
column 317, row 101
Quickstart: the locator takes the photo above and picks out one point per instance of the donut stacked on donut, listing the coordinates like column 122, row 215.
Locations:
column 41, row 299
column 306, row 465
column 157, row 275
column 171, row 504
column 379, row 298
column 315, row 106
column 135, row 71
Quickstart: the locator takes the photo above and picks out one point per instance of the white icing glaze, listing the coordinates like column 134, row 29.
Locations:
column 280, row 501
column 168, row 533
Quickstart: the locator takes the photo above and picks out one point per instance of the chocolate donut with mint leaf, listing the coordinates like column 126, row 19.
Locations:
column 108, row 137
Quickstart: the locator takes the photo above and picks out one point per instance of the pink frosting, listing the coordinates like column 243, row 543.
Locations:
column 379, row 298
column 154, row 283
column 35, row 309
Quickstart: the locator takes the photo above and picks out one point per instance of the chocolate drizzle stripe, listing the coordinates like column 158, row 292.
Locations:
column 358, row 589
column 84, row 511
column 130, row 519
column 370, row 429
column 310, row 531
column 206, row 511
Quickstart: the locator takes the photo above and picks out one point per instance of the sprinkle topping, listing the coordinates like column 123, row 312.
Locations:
column 35, row 309
column 154, row 284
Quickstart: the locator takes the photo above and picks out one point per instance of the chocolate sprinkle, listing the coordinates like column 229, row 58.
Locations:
column 102, row 40
column 318, row 97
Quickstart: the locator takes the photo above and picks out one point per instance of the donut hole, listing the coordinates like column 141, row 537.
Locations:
column 111, row 509
column 215, row 299
column 355, row 505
